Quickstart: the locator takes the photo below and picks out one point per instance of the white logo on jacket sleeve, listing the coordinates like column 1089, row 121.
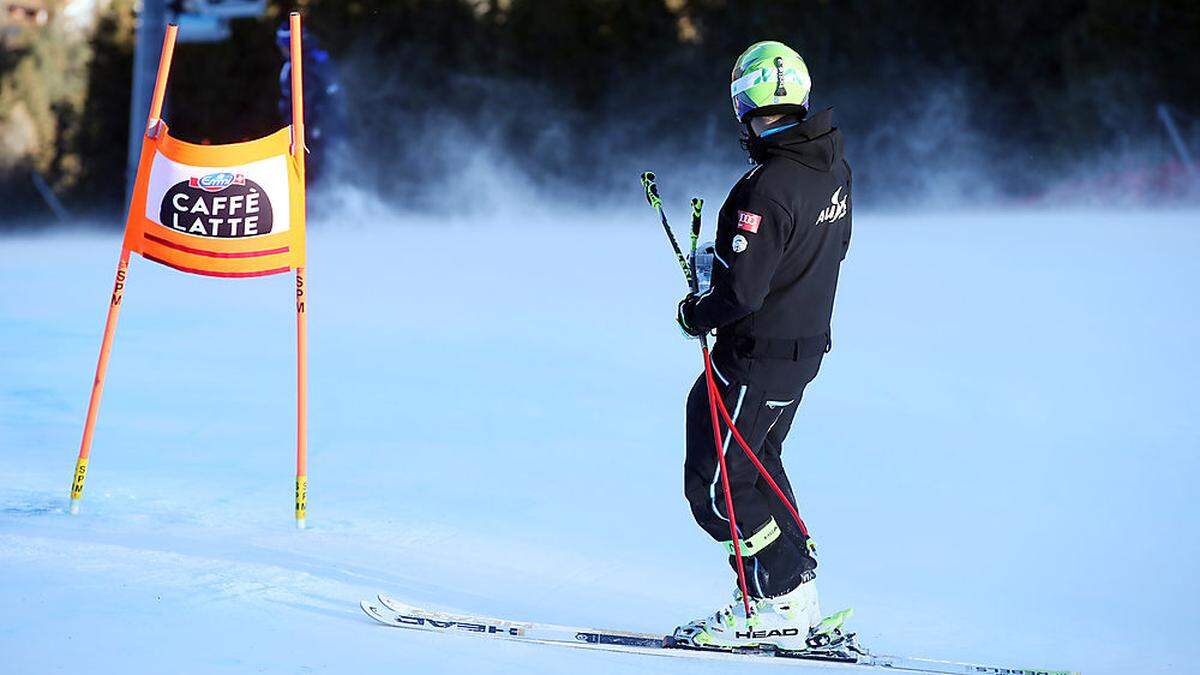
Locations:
column 739, row 244
column 836, row 210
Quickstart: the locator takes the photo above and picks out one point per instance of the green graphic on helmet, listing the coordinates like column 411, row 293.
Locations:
column 769, row 78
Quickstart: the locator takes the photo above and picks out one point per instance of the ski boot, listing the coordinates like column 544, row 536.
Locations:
column 784, row 622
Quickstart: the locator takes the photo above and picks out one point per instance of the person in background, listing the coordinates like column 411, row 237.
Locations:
column 322, row 99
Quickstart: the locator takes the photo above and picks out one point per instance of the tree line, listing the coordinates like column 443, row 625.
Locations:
column 571, row 93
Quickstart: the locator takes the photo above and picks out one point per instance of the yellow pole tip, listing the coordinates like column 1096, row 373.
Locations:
column 74, row 507
column 301, row 523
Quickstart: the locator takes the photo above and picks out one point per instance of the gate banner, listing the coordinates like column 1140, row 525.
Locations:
column 234, row 210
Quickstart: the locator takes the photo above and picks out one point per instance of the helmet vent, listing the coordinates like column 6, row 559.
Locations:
column 780, row 90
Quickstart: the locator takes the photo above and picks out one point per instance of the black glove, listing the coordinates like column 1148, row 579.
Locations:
column 685, row 306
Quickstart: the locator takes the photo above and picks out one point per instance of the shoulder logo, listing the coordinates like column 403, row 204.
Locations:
column 836, row 210
column 749, row 221
column 740, row 244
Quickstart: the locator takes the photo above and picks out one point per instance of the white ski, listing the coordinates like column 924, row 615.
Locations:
column 395, row 613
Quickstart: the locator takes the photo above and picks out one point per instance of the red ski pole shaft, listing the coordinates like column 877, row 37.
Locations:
column 762, row 470
column 713, row 402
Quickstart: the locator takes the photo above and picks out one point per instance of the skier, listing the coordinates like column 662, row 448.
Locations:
column 781, row 237
column 323, row 118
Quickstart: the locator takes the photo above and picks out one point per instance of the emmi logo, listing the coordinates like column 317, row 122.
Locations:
column 459, row 625
column 215, row 182
column 759, row 634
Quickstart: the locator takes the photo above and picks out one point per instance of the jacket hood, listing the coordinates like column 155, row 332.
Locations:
column 814, row 142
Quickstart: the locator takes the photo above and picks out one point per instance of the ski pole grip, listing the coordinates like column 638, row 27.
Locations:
column 651, row 187
column 697, row 207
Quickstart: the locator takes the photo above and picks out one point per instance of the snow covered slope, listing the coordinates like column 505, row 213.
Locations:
column 998, row 459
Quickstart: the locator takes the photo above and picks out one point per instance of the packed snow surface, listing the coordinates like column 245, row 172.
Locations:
column 998, row 459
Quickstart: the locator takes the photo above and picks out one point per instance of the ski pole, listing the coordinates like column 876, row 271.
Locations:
column 652, row 196
column 697, row 206
column 713, row 400
column 651, row 188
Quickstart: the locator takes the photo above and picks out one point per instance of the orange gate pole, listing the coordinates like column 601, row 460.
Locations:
column 110, row 327
column 114, row 306
column 297, row 61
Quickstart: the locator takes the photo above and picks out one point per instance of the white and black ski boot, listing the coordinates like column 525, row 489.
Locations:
column 784, row 622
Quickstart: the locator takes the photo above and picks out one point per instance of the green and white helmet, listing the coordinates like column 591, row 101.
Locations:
column 769, row 78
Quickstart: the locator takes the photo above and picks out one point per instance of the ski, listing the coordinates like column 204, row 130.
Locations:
column 844, row 652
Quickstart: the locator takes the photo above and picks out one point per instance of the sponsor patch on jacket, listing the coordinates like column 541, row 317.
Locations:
column 749, row 221
column 836, row 210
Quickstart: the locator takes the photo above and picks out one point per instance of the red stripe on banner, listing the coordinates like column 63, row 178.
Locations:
column 213, row 254
column 210, row 273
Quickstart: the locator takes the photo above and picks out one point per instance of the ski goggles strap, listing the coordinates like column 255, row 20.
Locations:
column 758, row 541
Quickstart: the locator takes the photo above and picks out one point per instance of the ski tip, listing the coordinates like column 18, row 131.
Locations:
column 391, row 603
column 370, row 609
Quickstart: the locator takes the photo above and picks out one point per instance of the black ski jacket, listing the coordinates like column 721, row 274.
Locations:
column 781, row 237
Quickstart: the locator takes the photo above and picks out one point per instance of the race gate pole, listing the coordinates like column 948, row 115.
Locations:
column 114, row 306
column 297, row 62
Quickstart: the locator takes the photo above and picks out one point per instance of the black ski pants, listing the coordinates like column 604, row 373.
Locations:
column 774, row 549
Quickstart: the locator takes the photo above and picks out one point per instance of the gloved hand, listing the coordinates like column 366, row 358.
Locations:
column 681, row 312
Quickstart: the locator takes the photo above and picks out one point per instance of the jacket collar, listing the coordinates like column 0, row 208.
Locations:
column 814, row 142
